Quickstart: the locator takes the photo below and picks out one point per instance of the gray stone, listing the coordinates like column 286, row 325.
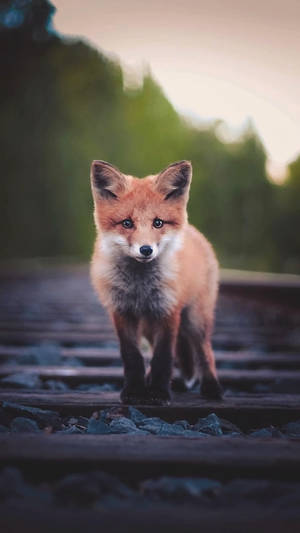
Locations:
column 232, row 435
column 53, row 384
column 112, row 413
column 183, row 423
column 171, row 429
column 95, row 387
column 14, row 488
column 72, row 361
column 195, row 434
column 83, row 422
column 21, row 424
column 97, row 427
column 228, row 427
column 42, row 416
column 292, row 429
column 135, row 415
column 75, row 425
column 160, row 427
column 277, row 434
column 180, row 488
column 264, row 433
column 47, row 353
column 157, row 426
column 211, row 424
column 71, row 421
column 71, row 430
column 125, row 425
column 87, row 489
column 262, row 492
column 153, row 421
column 22, row 381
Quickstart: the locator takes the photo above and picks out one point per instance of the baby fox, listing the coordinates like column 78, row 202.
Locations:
column 157, row 276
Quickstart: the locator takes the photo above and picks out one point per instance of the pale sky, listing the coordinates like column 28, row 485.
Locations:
column 215, row 59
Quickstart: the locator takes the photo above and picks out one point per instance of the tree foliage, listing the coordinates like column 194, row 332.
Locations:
column 63, row 104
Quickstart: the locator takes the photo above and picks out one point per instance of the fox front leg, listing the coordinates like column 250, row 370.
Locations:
column 159, row 378
column 134, row 390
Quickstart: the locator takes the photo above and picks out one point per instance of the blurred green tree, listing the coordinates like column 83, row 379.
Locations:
column 285, row 222
column 64, row 103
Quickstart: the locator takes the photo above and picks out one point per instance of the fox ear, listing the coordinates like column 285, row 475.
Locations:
column 174, row 181
column 107, row 180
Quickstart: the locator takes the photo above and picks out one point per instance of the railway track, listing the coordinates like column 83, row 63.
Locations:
column 73, row 457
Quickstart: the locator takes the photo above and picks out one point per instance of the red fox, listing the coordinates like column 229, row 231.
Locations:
column 157, row 276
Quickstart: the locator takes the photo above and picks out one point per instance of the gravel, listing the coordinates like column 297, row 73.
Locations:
column 266, row 433
column 46, row 353
column 292, row 429
column 86, row 489
column 13, row 488
column 135, row 415
column 43, row 417
column 97, row 489
column 22, row 381
column 180, row 488
column 121, row 420
column 97, row 427
column 71, row 430
column 55, row 384
column 20, row 424
column 210, row 425
column 125, row 425
column 94, row 387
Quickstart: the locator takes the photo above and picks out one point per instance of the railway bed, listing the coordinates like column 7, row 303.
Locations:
column 73, row 457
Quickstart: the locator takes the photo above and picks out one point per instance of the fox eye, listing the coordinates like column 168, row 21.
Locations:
column 158, row 223
column 127, row 223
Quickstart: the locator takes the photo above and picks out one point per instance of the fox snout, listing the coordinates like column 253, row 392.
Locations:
column 144, row 253
column 146, row 250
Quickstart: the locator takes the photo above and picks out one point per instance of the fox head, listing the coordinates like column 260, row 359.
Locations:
column 140, row 218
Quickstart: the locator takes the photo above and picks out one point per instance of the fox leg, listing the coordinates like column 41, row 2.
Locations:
column 185, row 358
column 162, row 361
column 185, row 351
column 198, row 334
column 210, row 386
column 134, row 390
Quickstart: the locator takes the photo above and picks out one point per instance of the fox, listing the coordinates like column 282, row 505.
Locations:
column 158, row 278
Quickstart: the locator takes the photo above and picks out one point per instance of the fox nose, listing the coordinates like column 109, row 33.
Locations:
column 146, row 250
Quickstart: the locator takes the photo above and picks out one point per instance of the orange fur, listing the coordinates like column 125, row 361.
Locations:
column 188, row 271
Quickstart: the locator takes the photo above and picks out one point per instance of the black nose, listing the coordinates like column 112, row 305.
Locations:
column 146, row 250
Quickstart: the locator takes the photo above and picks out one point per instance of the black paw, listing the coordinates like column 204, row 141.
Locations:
column 158, row 396
column 134, row 395
column 211, row 389
column 178, row 385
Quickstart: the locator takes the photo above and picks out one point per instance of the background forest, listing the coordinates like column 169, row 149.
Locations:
column 63, row 104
